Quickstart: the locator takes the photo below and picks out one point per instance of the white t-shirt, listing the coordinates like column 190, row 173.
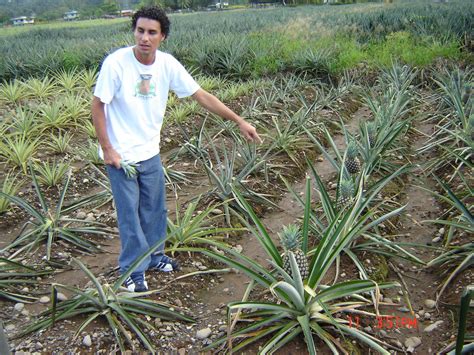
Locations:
column 135, row 97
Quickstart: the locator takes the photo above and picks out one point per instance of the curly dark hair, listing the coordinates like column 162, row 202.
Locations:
column 153, row 13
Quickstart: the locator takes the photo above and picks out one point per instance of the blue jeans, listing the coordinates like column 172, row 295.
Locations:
column 141, row 212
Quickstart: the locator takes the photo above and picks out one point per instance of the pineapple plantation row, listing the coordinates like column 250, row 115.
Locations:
column 256, row 42
column 312, row 276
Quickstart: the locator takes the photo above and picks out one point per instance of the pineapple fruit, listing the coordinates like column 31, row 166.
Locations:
column 352, row 161
column 346, row 193
column 372, row 133
column 291, row 241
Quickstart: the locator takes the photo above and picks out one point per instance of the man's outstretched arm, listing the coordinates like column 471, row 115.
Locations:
column 214, row 105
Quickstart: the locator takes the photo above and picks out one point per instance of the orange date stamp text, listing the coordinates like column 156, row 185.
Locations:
column 386, row 322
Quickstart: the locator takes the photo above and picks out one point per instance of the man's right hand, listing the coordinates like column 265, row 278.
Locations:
column 111, row 157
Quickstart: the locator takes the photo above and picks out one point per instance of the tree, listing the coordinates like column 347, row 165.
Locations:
column 110, row 6
column 151, row 3
column 184, row 4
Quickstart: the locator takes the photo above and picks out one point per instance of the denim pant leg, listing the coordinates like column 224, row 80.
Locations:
column 126, row 194
column 152, row 205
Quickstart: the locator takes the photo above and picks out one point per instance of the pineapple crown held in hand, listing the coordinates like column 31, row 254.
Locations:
column 129, row 168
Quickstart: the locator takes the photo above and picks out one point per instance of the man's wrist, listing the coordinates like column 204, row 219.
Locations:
column 239, row 120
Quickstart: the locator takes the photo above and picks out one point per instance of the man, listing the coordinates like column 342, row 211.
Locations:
column 127, row 110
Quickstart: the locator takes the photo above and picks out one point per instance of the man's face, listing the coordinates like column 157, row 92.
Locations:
column 148, row 36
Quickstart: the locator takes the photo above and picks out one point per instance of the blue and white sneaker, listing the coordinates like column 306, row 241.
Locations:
column 166, row 264
column 136, row 284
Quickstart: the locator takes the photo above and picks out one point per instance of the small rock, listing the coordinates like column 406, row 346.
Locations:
column 225, row 290
column 333, row 186
column 81, row 215
column 412, row 343
column 10, row 327
column 44, row 299
column 203, row 333
column 433, row 326
column 61, row 296
column 427, row 315
column 90, row 218
column 216, row 211
column 19, row 306
column 87, row 341
column 441, row 231
column 430, row 304
column 404, row 309
column 168, row 333
column 436, row 239
column 178, row 302
column 238, row 248
column 25, row 312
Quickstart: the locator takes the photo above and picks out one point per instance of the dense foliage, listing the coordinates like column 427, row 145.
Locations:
column 319, row 39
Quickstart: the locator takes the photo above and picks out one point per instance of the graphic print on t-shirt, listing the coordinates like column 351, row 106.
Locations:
column 145, row 87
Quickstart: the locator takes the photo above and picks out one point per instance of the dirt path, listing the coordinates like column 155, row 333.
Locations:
column 419, row 283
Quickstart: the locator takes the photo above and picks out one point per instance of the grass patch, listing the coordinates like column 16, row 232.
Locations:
column 406, row 48
column 276, row 51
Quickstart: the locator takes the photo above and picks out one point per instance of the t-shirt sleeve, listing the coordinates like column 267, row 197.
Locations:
column 108, row 82
column 182, row 83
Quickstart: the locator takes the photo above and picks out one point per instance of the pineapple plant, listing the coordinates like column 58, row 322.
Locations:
column 372, row 133
column 467, row 94
column 470, row 137
column 291, row 241
column 352, row 162
column 346, row 193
